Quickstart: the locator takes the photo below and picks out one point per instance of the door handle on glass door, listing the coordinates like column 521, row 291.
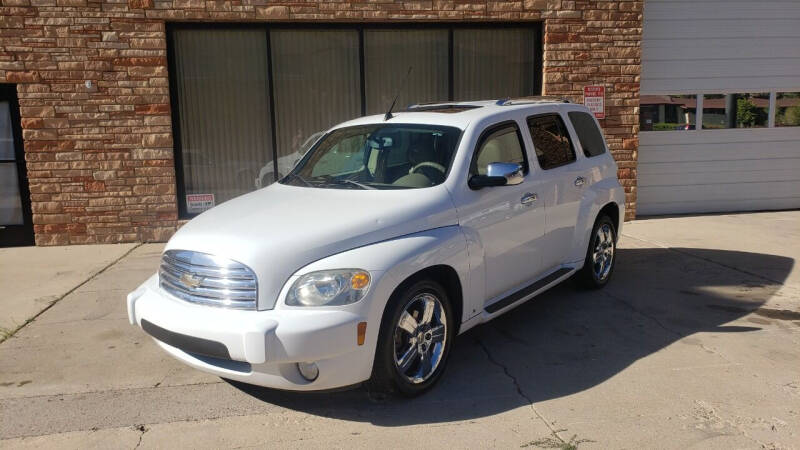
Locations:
column 528, row 198
column 580, row 181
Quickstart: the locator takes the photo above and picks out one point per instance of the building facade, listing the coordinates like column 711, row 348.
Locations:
column 120, row 119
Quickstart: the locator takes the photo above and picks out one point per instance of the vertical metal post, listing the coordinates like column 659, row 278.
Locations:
column 698, row 113
column 773, row 103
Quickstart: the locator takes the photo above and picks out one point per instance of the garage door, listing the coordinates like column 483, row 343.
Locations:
column 720, row 107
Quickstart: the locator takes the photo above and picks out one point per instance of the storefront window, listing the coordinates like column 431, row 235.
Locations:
column 735, row 111
column 787, row 109
column 316, row 85
column 250, row 101
column 493, row 63
column 224, row 118
column 667, row 112
column 388, row 54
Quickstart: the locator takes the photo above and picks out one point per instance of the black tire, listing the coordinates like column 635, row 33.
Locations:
column 386, row 376
column 590, row 276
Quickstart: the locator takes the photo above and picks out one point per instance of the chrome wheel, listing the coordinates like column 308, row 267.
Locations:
column 420, row 336
column 603, row 252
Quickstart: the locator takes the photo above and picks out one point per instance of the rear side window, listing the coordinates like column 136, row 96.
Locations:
column 502, row 143
column 588, row 133
column 551, row 141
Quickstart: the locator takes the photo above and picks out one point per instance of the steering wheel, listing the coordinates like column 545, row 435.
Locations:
column 432, row 164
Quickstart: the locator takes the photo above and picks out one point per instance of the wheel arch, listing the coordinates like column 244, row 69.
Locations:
column 445, row 275
column 611, row 209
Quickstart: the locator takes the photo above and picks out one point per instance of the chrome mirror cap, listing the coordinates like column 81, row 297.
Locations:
column 512, row 172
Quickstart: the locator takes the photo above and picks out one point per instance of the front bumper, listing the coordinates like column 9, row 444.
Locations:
column 257, row 347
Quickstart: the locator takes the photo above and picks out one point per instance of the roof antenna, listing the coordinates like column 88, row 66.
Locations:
column 402, row 86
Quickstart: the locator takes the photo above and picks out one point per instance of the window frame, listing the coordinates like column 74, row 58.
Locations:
column 173, row 27
column 489, row 130
column 566, row 132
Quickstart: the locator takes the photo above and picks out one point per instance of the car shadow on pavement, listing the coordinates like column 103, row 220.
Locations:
column 569, row 340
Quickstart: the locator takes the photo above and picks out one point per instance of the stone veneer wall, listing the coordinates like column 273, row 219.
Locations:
column 100, row 159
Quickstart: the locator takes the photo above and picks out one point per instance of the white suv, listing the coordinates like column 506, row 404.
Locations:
column 392, row 235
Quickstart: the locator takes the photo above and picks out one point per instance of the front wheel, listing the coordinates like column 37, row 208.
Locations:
column 415, row 340
column 601, row 254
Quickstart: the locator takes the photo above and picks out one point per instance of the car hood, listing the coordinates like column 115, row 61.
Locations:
column 280, row 229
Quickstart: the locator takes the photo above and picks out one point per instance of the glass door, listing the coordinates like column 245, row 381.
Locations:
column 16, row 227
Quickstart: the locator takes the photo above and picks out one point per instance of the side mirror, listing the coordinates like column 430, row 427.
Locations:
column 498, row 174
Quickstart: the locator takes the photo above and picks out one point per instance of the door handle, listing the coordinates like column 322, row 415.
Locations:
column 580, row 181
column 528, row 198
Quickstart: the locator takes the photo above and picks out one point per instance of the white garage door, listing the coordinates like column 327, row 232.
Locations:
column 720, row 107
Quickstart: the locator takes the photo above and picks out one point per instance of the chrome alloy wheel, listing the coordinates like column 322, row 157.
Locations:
column 419, row 338
column 603, row 252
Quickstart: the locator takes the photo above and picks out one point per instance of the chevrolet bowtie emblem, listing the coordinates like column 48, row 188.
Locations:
column 191, row 280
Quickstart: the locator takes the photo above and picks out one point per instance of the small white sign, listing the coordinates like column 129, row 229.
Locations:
column 594, row 97
column 197, row 203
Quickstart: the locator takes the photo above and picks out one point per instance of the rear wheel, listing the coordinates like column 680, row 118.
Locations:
column 414, row 341
column 601, row 254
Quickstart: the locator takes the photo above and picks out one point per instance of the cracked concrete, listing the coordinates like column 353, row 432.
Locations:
column 31, row 287
column 519, row 390
column 694, row 343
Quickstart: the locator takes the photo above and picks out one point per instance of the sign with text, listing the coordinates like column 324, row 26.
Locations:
column 197, row 203
column 594, row 97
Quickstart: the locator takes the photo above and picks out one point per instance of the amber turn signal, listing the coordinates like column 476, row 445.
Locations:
column 362, row 332
column 360, row 280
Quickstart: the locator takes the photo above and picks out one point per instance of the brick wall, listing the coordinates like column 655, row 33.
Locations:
column 100, row 157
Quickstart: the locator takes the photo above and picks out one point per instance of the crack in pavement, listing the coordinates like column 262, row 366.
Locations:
column 519, row 390
column 107, row 391
column 713, row 261
column 661, row 325
column 7, row 335
column 143, row 429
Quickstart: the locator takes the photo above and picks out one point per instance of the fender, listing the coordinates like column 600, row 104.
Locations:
column 605, row 191
column 393, row 261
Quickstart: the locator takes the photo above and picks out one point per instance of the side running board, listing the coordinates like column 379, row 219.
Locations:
column 526, row 291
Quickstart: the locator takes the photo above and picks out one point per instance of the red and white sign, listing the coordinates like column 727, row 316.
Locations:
column 197, row 203
column 594, row 97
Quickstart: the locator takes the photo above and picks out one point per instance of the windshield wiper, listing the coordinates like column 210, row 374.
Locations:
column 361, row 185
column 294, row 175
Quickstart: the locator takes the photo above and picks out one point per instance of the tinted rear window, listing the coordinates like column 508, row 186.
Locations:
column 588, row 133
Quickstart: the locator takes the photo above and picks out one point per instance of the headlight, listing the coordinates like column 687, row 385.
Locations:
column 329, row 287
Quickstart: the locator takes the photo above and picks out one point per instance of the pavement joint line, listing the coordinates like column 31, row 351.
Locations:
column 727, row 266
column 105, row 391
column 10, row 334
column 660, row 324
column 520, row 392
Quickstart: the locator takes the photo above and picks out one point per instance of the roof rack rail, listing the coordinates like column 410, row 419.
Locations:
column 531, row 100
column 441, row 107
column 429, row 104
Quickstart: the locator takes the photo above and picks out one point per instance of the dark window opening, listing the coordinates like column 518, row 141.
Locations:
column 551, row 141
column 589, row 135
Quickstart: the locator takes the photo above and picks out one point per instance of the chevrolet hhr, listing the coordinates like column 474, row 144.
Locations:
column 390, row 236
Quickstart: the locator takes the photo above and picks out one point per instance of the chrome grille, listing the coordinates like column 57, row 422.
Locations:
column 208, row 280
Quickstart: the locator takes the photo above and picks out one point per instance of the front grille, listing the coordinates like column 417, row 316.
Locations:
column 208, row 280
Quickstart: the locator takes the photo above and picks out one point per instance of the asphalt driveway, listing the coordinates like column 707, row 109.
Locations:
column 693, row 343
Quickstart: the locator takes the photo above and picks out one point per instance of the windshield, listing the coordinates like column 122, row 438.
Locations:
column 378, row 156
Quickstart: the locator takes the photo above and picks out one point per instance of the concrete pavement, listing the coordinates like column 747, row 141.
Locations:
column 694, row 343
column 34, row 277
